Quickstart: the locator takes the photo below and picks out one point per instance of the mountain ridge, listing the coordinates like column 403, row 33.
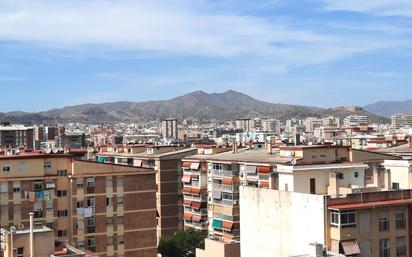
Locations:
column 389, row 108
column 197, row 105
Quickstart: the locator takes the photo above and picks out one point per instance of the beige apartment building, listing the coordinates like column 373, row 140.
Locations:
column 167, row 164
column 104, row 208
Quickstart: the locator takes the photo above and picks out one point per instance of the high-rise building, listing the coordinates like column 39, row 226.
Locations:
column 271, row 125
column 401, row 121
column 245, row 124
column 104, row 208
column 169, row 129
column 14, row 136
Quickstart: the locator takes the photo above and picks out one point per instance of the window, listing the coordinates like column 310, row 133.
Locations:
column 62, row 173
column 90, row 202
column 400, row 246
column 395, row 186
column 109, row 201
column 217, row 166
column 334, row 218
column 61, row 193
column 16, row 187
column 90, row 222
column 383, row 221
column 120, row 240
column 4, row 187
column 47, row 164
column 80, row 244
column 119, row 201
column 61, row 233
column 6, row 168
column 22, row 166
column 356, row 174
column 49, row 206
column 109, row 240
column 400, row 220
column 79, row 183
column 20, row 252
column 91, row 242
column 62, row 213
column 90, row 182
column 79, row 204
column 49, row 225
column 384, row 248
column 109, row 221
column 38, row 185
column 38, row 224
column 109, row 182
column 119, row 220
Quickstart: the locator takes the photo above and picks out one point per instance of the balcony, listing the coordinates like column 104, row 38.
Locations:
column 38, row 214
column 226, row 187
column 201, row 198
column 225, row 173
column 91, row 229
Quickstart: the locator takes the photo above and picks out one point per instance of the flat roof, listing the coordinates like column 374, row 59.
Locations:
column 369, row 205
column 147, row 156
column 243, row 155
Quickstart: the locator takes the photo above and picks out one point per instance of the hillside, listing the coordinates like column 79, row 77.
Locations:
column 388, row 108
column 197, row 105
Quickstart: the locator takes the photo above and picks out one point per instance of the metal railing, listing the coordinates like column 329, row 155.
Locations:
column 225, row 173
column 226, row 187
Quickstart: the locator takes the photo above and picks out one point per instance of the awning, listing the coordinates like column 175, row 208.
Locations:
column 194, row 166
column 250, row 169
column 137, row 163
column 186, row 190
column 217, row 224
column 196, row 205
column 187, row 203
column 187, row 216
column 196, row 218
column 227, row 225
column 186, row 178
column 350, row 247
column 264, row 169
column 186, row 165
column 100, row 159
column 264, row 184
column 227, row 181
column 217, row 194
column 196, row 191
column 50, row 184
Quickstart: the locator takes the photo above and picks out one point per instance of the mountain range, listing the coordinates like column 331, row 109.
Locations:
column 388, row 108
column 197, row 105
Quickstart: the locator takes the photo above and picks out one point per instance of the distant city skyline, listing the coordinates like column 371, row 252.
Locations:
column 315, row 53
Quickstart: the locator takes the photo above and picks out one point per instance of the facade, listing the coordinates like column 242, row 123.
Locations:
column 401, row 121
column 169, row 129
column 312, row 123
column 15, row 136
column 104, row 208
column 355, row 120
column 245, row 124
column 271, row 125
column 167, row 163
column 219, row 249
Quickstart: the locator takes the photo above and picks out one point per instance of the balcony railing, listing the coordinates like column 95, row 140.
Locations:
column 226, row 187
column 217, row 215
column 225, row 173
column 201, row 198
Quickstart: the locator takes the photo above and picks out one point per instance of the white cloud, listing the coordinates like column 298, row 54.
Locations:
column 183, row 27
column 377, row 7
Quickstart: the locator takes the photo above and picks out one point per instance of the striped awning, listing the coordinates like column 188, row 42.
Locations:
column 264, row 169
column 187, row 216
column 187, row 203
column 186, row 178
column 264, row 184
column 250, row 169
column 186, row 190
column 196, row 218
column 350, row 247
column 196, row 205
column 186, row 165
column 196, row 191
column 227, row 181
column 227, row 225
column 194, row 165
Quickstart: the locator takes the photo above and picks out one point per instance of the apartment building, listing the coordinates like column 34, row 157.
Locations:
column 362, row 224
column 104, row 208
column 271, row 125
column 169, row 129
column 195, row 186
column 14, row 136
column 245, row 124
column 312, row 123
column 355, row 120
column 167, row 163
column 401, row 121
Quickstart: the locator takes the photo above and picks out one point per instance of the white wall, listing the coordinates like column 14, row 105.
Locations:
column 278, row 223
column 399, row 172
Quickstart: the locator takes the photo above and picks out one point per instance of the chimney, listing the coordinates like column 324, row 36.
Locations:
column 269, row 148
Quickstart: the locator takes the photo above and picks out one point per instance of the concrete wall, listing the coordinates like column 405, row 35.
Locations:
column 218, row 249
column 399, row 172
column 277, row 223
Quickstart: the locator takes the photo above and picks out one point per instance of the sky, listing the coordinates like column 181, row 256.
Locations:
column 321, row 53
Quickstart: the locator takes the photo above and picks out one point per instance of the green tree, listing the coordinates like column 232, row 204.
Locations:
column 182, row 244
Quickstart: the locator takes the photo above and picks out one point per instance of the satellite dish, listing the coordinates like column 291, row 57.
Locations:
column 48, row 150
column 293, row 161
column 55, row 150
column 12, row 229
column 20, row 226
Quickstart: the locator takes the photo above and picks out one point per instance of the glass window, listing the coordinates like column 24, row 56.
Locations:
column 90, row 182
column 384, row 248
column 400, row 220
column 400, row 246
column 347, row 219
column 334, row 218
column 47, row 164
column 383, row 221
column 90, row 202
column 62, row 173
column 6, row 168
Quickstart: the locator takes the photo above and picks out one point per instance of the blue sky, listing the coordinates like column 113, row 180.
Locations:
column 309, row 52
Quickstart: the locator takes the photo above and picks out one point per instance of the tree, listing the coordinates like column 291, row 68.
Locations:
column 182, row 244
